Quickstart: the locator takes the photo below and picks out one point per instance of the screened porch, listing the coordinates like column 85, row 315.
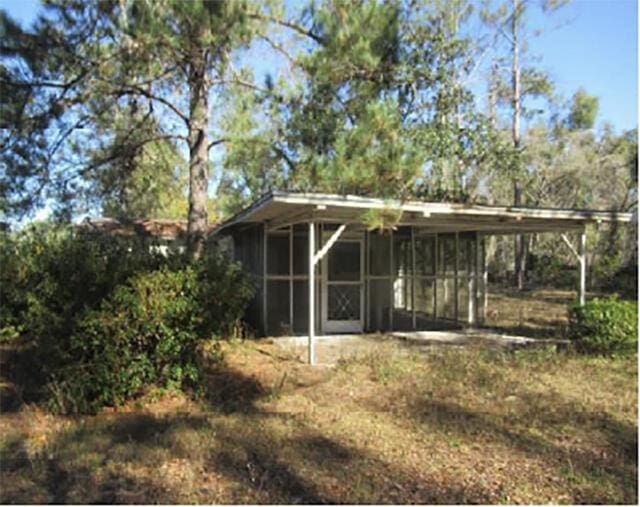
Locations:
column 407, row 279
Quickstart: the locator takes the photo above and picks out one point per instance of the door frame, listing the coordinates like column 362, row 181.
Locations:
column 342, row 326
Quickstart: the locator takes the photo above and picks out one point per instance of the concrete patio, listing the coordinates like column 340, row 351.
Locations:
column 330, row 349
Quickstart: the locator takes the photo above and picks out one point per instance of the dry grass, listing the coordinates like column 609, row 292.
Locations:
column 537, row 314
column 453, row 426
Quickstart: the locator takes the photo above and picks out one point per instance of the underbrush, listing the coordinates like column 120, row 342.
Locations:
column 100, row 319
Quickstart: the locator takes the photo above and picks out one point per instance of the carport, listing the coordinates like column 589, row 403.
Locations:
column 319, row 269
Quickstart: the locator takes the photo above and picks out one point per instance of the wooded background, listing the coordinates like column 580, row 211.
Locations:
column 174, row 109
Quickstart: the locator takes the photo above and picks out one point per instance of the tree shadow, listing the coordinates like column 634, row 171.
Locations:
column 262, row 456
column 619, row 462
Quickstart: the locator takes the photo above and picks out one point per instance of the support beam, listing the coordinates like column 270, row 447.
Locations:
column 485, row 280
column 291, row 279
column 570, row 246
column 264, row 280
column 582, row 290
column 455, row 279
column 581, row 255
column 470, row 296
column 476, row 280
column 312, row 299
column 435, row 279
column 325, row 248
column 413, row 278
column 392, row 281
column 288, row 220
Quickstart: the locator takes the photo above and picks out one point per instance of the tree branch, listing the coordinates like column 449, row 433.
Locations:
column 289, row 24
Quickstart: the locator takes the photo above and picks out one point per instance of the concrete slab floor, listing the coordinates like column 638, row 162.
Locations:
column 331, row 348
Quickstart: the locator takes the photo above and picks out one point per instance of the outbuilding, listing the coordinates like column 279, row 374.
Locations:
column 320, row 269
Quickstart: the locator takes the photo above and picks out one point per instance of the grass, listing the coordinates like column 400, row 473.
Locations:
column 452, row 426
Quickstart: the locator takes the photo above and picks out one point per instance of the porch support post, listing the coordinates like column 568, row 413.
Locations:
column 583, row 268
column 291, row 279
column 581, row 255
column 485, row 280
column 471, row 320
column 367, row 282
column 392, row 279
column 476, row 280
column 413, row 277
column 264, row 280
column 455, row 280
column 435, row 279
column 312, row 298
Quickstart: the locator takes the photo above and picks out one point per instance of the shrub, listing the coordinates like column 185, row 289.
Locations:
column 105, row 317
column 147, row 332
column 604, row 326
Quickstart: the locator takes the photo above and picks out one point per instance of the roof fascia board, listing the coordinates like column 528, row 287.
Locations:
column 449, row 208
column 424, row 209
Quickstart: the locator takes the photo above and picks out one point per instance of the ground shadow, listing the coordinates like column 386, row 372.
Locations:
column 262, row 457
column 620, row 461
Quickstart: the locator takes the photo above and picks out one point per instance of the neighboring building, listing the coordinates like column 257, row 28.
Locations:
column 162, row 234
column 428, row 273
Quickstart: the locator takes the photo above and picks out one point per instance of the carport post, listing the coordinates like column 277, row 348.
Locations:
column 312, row 286
column 582, row 260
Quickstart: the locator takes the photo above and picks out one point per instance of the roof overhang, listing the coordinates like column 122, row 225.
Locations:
column 281, row 209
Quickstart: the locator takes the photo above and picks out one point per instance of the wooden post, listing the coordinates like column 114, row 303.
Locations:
column 291, row 279
column 312, row 298
column 367, row 282
column 470, row 276
column 455, row 279
column 435, row 279
column 485, row 280
column 413, row 277
column 392, row 278
column 264, row 280
column 476, row 281
column 583, row 268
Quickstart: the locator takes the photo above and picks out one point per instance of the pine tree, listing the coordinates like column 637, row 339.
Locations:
column 80, row 61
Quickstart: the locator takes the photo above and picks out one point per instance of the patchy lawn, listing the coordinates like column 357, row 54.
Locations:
column 451, row 426
column 537, row 313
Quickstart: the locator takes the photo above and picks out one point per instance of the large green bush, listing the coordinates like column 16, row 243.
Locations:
column 607, row 326
column 104, row 317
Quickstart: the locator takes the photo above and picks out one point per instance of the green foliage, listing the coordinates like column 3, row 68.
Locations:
column 105, row 317
column 381, row 219
column 584, row 110
column 142, row 180
column 605, row 327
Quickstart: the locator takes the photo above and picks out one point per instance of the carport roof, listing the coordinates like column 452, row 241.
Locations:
column 281, row 209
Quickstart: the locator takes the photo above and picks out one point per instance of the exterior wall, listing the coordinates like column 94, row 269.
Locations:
column 421, row 280
column 287, row 282
column 248, row 250
column 414, row 279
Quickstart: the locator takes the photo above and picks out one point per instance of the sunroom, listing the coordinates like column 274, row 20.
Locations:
column 427, row 272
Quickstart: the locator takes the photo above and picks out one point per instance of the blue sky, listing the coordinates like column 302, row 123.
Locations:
column 589, row 43
column 596, row 49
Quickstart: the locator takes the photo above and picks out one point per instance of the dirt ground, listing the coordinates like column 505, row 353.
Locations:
column 453, row 426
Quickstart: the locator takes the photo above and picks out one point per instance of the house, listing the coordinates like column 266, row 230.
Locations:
column 162, row 235
column 428, row 272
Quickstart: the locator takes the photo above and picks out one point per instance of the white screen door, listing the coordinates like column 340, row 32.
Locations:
column 343, row 287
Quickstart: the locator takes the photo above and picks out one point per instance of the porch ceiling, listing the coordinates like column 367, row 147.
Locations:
column 280, row 209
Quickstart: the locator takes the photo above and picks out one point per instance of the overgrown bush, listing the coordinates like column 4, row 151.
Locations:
column 49, row 276
column 104, row 317
column 605, row 326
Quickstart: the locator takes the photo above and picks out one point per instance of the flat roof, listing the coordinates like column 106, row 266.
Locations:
column 281, row 209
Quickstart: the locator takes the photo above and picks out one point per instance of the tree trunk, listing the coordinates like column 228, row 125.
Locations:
column 520, row 244
column 198, row 158
column 493, row 96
